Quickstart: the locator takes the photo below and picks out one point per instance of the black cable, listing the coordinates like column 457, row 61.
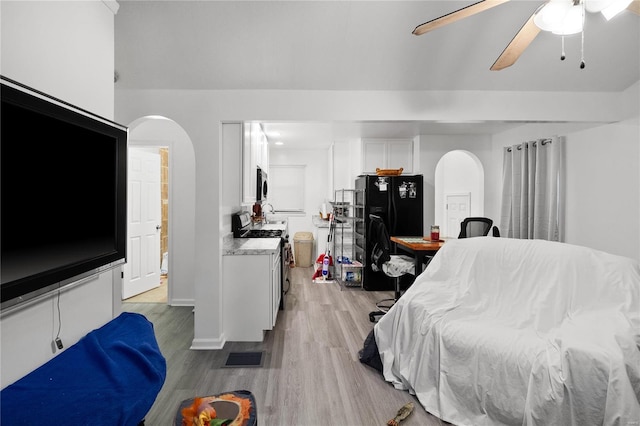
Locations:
column 59, row 316
column 57, row 340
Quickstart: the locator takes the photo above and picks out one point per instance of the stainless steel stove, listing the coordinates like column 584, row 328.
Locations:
column 263, row 233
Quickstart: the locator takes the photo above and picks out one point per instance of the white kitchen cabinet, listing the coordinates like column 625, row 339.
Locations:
column 251, row 295
column 261, row 147
column 387, row 154
column 276, row 283
column 255, row 153
column 249, row 166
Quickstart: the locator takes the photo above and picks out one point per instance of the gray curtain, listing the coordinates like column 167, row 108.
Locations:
column 531, row 189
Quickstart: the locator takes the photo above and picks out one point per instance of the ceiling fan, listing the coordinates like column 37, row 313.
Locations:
column 561, row 17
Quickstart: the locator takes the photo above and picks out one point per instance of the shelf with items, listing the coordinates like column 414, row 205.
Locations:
column 350, row 274
column 359, row 227
column 345, row 210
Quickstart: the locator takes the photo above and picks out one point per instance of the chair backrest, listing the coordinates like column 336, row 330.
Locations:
column 475, row 227
column 379, row 236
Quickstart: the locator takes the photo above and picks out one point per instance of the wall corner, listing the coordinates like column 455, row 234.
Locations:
column 112, row 5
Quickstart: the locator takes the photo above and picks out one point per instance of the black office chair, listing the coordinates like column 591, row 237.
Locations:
column 475, row 227
column 392, row 265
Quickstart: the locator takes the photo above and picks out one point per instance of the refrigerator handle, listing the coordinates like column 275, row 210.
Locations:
column 393, row 211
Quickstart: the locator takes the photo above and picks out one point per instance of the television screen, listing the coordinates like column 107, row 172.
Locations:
column 63, row 193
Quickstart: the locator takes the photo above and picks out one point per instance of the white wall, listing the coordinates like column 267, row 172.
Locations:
column 65, row 49
column 458, row 172
column 602, row 178
column 317, row 189
column 602, row 181
column 433, row 148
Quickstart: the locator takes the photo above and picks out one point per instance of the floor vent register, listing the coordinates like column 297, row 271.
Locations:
column 244, row 359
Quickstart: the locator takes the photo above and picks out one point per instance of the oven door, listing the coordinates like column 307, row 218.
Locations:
column 261, row 185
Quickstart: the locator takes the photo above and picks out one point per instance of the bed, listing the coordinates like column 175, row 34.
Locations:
column 499, row 331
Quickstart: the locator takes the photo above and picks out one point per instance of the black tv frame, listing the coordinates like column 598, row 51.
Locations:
column 39, row 284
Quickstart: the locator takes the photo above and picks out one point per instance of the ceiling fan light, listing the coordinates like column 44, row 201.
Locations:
column 550, row 16
column 560, row 17
column 595, row 6
column 615, row 7
column 572, row 22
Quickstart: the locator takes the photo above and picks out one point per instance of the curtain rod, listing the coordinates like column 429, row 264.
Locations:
column 542, row 142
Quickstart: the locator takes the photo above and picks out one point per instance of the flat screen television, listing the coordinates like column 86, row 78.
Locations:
column 63, row 193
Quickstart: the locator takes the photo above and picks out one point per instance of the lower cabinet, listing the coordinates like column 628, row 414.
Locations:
column 251, row 295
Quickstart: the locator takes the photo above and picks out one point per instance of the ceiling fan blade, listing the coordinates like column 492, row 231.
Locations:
column 634, row 7
column 520, row 42
column 449, row 18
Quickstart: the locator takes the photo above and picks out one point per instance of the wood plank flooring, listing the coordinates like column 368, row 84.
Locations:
column 311, row 374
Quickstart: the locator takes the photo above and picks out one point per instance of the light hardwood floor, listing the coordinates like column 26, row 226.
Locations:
column 155, row 295
column 311, row 374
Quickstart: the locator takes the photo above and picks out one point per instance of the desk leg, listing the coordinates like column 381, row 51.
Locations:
column 417, row 262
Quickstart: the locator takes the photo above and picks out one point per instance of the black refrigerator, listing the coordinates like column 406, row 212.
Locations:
column 399, row 201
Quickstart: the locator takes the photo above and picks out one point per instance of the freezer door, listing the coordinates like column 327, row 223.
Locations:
column 377, row 194
column 376, row 201
column 406, row 206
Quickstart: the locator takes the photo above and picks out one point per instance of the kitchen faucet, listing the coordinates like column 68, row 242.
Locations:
column 264, row 210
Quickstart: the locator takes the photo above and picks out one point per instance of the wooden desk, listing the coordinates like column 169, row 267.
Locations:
column 418, row 247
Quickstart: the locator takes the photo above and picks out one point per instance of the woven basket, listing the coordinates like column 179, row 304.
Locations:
column 389, row 172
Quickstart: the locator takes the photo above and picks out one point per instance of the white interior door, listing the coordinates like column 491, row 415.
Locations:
column 142, row 270
column 458, row 207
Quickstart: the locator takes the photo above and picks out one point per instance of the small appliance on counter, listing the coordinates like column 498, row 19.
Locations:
column 262, row 187
column 257, row 210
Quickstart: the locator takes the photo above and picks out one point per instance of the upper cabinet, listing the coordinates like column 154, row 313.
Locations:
column 387, row 154
column 255, row 153
column 262, row 148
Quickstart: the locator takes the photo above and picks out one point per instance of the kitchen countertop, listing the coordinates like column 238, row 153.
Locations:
column 321, row 223
column 244, row 246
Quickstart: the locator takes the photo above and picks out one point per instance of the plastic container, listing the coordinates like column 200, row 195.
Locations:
column 352, row 273
column 303, row 248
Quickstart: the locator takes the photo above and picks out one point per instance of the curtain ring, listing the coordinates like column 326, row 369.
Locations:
column 526, row 144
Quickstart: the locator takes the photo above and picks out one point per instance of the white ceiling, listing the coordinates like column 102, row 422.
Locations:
column 361, row 45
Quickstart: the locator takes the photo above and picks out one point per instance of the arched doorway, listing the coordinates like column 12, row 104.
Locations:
column 459, row 190
column 157, row 131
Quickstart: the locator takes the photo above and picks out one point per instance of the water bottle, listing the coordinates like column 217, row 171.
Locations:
column 325, row 265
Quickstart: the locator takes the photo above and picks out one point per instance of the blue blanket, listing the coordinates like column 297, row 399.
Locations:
column 110, row 377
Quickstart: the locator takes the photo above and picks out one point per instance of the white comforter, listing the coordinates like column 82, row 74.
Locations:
column 503, row 331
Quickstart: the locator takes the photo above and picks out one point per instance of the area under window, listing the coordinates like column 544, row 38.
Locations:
column 286, row 188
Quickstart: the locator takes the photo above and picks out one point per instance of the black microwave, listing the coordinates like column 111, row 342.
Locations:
column 261, row 185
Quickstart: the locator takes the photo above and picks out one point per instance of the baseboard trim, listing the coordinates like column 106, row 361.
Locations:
column 208, row 344
column 182, row 302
